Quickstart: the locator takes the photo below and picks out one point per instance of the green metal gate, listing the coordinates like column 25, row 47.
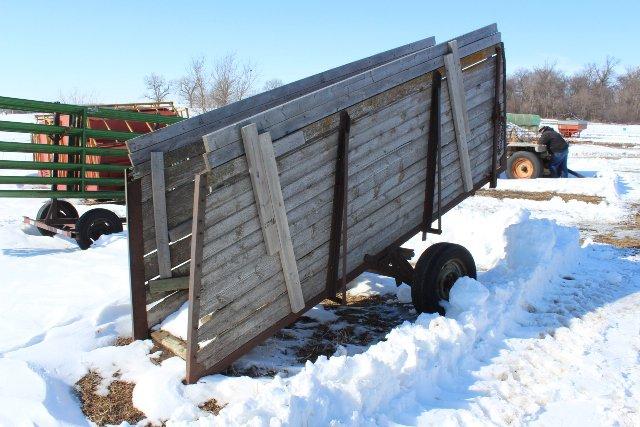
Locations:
column 78, row 133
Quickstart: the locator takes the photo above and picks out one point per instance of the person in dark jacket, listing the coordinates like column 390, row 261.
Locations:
column 559, row 149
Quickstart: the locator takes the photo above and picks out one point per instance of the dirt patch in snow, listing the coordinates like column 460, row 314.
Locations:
column 363, row 321
column 623, row 235
column 538, row 196
column 114, row 408
column 629, row 242
column 212, row 406
column 123, row 341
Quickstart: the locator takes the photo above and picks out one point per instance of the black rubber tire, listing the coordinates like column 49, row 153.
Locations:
column 436, row 271
column 65, row 210
column 530, row 161
column 95, row 223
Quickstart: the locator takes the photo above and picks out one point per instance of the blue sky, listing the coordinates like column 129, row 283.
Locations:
column 105, row 48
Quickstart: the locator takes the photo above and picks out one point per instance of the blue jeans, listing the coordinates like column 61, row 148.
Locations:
column 558, row 164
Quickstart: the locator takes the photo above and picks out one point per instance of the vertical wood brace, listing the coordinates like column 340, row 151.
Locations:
column 136, row 260
column 338, row 216
column 287, row 256
column 195, row 274
column 458, row 102
column 499, row 128
column 433, row 154
column 160, row 214
column 260, row 188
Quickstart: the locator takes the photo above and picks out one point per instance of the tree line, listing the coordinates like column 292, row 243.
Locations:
column 594, row 93
column 207, row 86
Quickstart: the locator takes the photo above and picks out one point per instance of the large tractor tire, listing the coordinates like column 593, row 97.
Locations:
column 65, row 210
column 95, row 223
column 524, row 165
column 436, row 271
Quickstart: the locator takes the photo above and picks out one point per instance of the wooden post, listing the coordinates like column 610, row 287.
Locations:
column 140, row 326
column 195, row 275
column 160, row 214
column 459, row 109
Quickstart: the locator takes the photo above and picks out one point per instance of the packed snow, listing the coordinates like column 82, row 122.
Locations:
column 548, row 334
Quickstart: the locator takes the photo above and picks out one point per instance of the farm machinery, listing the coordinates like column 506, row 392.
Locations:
column 78, row 153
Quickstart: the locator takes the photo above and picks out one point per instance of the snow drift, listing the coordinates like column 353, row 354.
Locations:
column 394, row 380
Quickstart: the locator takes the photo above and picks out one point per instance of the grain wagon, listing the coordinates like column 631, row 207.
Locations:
column 257, row 211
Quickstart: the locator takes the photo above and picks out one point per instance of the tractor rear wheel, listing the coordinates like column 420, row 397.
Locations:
column 95, row 223
column 524, row 165
column 436, row 271
column 65, row 211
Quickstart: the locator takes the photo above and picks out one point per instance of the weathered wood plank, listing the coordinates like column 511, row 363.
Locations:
column 459, row 109
column 160, row 214
column 174, row 344
column 162, row 309
column 170, row 284
column 195, row 273
column 287, row 257
column 261, row 190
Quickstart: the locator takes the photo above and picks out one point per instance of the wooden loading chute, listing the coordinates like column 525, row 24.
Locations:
column 257, row 211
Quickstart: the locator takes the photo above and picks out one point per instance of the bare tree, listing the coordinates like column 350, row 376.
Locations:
column 78, row 97
column 192, row 87
column 223, row 80
column 231, row 81
column 158, row 88
column 228, row 80
column 594, row 93
column 272, row 84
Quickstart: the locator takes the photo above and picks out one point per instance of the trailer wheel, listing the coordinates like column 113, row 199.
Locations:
column 65, row 210
column 95, row 223
column 524, row 165
column 436, row 271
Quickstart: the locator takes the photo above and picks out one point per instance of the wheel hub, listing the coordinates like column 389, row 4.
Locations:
column 522, row 168
column 98, row 228
column 451, row 271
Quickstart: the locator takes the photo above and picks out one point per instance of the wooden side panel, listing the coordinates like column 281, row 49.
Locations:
column 386, row 193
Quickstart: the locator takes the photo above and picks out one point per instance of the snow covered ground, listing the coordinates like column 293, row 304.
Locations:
column 549, row 334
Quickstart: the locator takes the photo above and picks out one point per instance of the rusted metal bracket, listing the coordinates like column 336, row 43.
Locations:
column 339, row 215
column 434, row 160
column 394, row 262
column 499, row 125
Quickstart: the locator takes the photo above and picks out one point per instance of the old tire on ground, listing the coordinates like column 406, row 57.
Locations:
column 436, row 271
column 524, row 165
column 65, row 210
column 95, row 223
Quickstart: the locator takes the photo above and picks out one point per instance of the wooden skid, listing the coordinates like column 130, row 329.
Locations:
column 264, row 229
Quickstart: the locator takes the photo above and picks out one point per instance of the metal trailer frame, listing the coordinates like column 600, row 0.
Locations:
column 77, row 150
